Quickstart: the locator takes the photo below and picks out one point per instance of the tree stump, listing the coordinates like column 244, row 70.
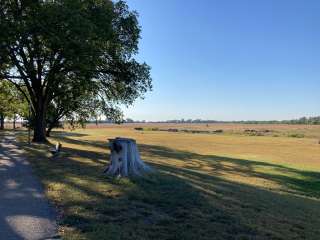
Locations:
column 125, row 159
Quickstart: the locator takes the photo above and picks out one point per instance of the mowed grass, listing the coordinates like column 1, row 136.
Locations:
column 203, row 186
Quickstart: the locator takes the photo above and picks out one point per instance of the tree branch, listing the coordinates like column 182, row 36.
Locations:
column 24, row 76
column 23, row 92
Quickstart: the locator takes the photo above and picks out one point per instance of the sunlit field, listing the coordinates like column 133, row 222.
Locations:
column 230, row 185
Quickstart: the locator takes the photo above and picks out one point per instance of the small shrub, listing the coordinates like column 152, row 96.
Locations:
column 296, row 135
column 218, row 131
column 250, row 131
column 197, row 131
column 138, row 128
column 173, row 130
column 267, row 130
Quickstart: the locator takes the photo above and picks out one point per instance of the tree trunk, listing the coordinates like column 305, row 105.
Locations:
column 39, row 133
column 14, row 121
column 1, row 121
column 125, row 159
column 52, row 124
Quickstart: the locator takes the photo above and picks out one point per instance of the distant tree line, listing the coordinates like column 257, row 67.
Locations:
column 302, row 120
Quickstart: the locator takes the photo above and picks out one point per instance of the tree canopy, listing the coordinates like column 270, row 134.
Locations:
column 71, row 51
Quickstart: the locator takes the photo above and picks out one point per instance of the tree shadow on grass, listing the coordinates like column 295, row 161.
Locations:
column 68, row 134
column 179, row 202
column 295, row 181
column 81, row 142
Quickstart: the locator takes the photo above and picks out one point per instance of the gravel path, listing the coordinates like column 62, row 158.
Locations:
column 24, row 211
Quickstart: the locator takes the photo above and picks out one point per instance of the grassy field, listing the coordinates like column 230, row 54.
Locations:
column 205, row 186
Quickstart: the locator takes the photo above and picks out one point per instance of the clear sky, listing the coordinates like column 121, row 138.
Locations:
column 229, row 59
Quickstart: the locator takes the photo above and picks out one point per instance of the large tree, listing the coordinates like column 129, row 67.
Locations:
column 55, row 48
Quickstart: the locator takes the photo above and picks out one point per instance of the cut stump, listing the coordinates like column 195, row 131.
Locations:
column 125, row 159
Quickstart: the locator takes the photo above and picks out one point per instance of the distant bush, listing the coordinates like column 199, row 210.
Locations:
column 296, row 135
column 250, row 130
column 259, row 132
column 218, row 131
column 267, row 130
column 138, row 128
column 173, row 130
column 253, row 132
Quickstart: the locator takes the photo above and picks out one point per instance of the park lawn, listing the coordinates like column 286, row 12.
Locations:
column 203, row 186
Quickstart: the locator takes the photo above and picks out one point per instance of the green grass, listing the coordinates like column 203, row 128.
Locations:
column 196, row 192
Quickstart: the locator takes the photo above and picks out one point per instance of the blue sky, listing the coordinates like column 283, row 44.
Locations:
column 229, row 59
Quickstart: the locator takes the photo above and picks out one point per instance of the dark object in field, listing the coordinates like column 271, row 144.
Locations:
column 138, row 128
column 125, row 159
column 218, row 131
column 55, row 151
column 173, row 130
column 254, row 132
column 250, row 131
column 191, row 131
column 267, row 130
column 258, row 131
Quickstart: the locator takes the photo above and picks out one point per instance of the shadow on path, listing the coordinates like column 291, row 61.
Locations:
column 24, row 210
